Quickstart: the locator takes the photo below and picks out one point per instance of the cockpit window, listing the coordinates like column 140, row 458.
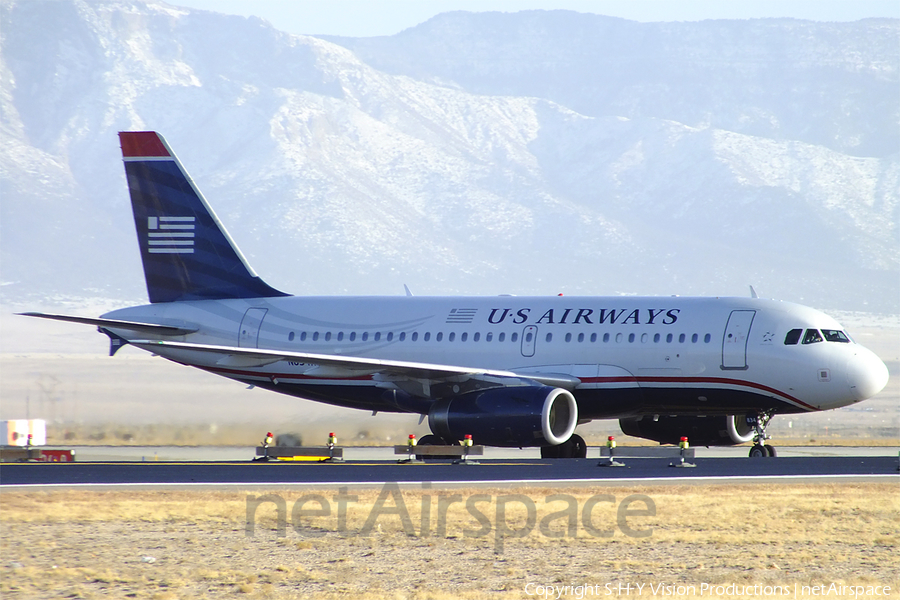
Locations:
column 833, row 335
column 812, row 336
column 792, row 337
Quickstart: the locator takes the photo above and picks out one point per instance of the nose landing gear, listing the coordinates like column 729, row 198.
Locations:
column 760, row 449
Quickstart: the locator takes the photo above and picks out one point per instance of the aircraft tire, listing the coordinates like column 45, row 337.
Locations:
column 770, row 451
column 550, row 451
column 578, row 446
column 574, row 447
column 758, row 451
column 432, row 440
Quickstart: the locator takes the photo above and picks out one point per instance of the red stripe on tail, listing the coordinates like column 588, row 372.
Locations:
column 142, row 143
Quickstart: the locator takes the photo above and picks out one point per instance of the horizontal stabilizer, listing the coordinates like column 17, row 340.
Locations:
column 116, row 324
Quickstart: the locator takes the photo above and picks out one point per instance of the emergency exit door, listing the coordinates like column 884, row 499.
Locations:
column 529, row 339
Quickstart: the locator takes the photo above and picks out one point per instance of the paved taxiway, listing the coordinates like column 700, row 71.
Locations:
column 496, row 472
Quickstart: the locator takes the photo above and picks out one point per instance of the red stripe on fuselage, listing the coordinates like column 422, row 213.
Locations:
column 687, row 380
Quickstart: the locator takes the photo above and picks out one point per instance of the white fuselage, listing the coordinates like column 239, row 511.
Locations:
column 629, row 355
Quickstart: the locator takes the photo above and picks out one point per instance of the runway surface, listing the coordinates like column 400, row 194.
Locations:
column 499, row 472
column 358, row 453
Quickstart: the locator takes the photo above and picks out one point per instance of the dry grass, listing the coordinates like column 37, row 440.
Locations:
column 93, row 544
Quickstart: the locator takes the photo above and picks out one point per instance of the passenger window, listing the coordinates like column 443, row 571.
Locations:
column 501, row 337
column 352, row 336
column 694, row 338
column 365, row 336
column 463, row 337
column 427, row 335
column 390, row 336
column 340, row 336
column 439, row 336
column 402, row 336
column 528, row 337
column 549, row 337
column 514, row 337
column 451, row 337
column 291, row 336
column 415, row 336
column 812, row 336
column 580, row 337
column 488, row 336
column 568, row 337
column 328, row 337
column 377, row 336
column 792, row 337
column 593, row 337
column 630, row 338
column 316, row 336
column 605, row 338
column 476, row 337
column 303, row 336
column 833, row 335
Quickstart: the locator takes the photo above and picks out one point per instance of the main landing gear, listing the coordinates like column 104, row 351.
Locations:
column 434, row 440
column 574, row 447
column 760, row 449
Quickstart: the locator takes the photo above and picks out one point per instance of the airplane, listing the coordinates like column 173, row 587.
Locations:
column 511, row 371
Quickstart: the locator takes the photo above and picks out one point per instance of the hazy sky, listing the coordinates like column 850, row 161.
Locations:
column 387, row 17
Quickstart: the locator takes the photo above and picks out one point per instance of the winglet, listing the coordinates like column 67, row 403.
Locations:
column 753, row 293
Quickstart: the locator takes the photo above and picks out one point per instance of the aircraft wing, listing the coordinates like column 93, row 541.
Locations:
column 117, row 324
column 329, row 365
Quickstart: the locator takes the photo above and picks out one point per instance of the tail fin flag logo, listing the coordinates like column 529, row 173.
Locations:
column 170, row 235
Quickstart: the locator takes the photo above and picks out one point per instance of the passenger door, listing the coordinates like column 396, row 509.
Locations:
column 248, row 334
column 734, row 343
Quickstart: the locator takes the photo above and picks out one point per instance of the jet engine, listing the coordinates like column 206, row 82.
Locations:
column 700, row 431
column 507, row 416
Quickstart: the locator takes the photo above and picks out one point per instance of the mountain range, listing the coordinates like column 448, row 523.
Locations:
column 538, row 152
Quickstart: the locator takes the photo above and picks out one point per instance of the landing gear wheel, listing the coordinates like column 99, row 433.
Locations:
column 760, row 448
column 758, row 451
column 550, row 451
column 432, row 440
column 574, row 447
column 579, row 447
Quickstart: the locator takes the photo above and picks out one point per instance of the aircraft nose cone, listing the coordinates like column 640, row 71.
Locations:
column 866, row 374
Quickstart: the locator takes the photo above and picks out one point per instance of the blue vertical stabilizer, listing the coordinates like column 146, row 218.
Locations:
column 187, row 253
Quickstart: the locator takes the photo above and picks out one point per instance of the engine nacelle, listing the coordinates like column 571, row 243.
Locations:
column 700, row 431
column 508, row 416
